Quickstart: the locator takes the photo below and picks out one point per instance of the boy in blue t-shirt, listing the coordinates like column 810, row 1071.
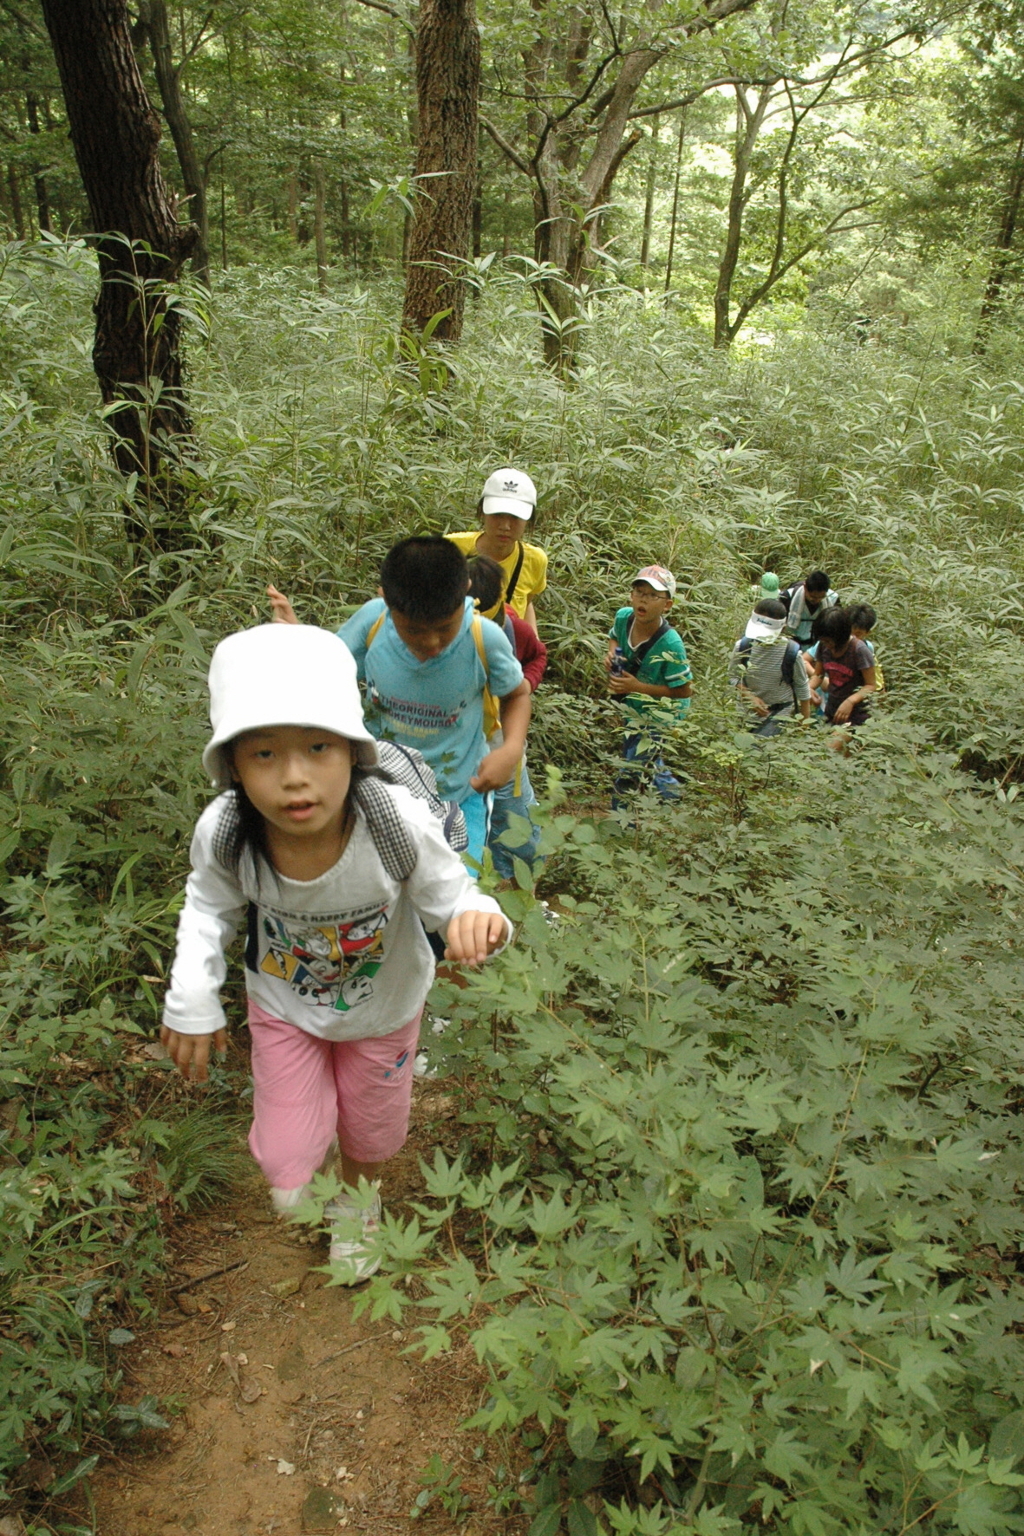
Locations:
column 426, row 678
column 649, row 672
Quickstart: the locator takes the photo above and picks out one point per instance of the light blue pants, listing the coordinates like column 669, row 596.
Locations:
column 507, row 803
column 477, row 811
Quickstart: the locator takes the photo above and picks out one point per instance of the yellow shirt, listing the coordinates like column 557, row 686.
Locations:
column 533, row 577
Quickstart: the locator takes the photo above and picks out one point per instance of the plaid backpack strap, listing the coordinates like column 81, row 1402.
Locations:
column 399, row 764
column 225, row 832
column 387, row 828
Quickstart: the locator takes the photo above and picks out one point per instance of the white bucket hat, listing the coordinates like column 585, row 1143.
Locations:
column 283, row 674
column 509, row 490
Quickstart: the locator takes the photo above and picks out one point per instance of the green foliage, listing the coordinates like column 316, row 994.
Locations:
column 747, row 1247
column 736, row 1113
column 441, row 1486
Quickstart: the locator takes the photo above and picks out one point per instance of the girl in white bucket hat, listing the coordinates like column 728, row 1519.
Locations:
column 334, row 872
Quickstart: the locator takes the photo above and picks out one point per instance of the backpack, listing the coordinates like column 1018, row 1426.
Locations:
column 492, row 708
column 789, row 660
column 396, row 765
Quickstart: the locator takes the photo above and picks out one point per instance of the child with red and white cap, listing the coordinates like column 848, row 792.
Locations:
column 649, row 672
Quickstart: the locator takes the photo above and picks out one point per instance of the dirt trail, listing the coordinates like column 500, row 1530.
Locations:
column 294, row 1418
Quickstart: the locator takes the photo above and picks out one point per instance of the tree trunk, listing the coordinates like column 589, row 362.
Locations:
column 652, row 174
column 153, row 16
column 42, row 196
column 346, row 236
column 675, row 201
column 140, row 244
column 293, row 204
column 17, row 213
column 1004, row 244
column 447, row 88
column 319, row 232
column 748, row 126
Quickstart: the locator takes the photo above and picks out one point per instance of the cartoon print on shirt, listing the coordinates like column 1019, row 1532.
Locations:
column 330, row 964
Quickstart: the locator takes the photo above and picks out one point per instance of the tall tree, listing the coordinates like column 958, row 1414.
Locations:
column 804, row 168
column 140, row 243
column 584, row 70
column 447, row 90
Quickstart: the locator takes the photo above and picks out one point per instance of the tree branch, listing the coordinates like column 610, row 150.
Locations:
column 753, row 299
column 389, row 10
column 695, row 95
column 505, row 147
column 196, row 45
column 595, row 77
column 25, row 21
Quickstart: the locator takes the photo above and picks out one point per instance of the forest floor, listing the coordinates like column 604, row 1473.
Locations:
column 287, row 1414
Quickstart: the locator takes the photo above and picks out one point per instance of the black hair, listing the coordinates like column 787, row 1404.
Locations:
column 817, row 581
column 862, row 616
column 834, row 625
column 244, row 832
column 770, row 608
column 818, row 620
column 486, row 582
column 424, row 578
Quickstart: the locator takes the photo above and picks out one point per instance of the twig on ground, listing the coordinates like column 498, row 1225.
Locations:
column 176, row 1290
column 357, row 1345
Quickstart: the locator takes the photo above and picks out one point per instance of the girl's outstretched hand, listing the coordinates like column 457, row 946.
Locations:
column 472, row 936
column 191, row 1053
column 281, row 610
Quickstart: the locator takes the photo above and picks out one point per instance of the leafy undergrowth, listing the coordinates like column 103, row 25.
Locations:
column 737, row 1221
column 735, row 1225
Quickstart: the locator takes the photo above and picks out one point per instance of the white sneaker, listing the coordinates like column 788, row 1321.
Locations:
column 352, row 1234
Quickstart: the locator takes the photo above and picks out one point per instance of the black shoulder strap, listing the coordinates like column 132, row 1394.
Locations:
column 510, row 590
column 639, row 656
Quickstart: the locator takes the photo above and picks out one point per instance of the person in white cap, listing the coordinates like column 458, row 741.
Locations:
column 768, row 671
column 334, row 873
column 507, row 503
column 649, row 672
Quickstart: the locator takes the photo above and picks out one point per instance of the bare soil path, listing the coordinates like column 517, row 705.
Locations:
column 293, row 1417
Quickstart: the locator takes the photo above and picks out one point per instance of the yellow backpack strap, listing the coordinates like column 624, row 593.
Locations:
column 492, row 712
column 374, row 628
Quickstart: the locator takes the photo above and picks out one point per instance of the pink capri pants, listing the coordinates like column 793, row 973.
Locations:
column 308, row 1091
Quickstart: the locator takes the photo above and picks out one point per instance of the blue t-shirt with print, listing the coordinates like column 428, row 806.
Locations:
column 435, row 706
column 665, row 663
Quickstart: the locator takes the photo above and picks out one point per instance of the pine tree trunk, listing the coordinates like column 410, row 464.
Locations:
column 140, row 244
column 447, row 86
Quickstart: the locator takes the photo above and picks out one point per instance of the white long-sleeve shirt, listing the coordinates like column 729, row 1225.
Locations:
column 343, row 957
